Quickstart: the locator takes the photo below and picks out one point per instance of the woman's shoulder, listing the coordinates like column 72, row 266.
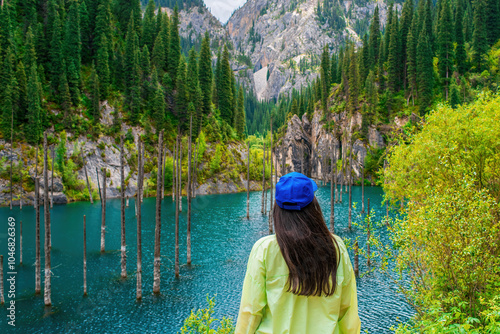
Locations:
column 265, row 242
column 340, row 243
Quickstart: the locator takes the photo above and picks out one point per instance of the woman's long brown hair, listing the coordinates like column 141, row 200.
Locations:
column 309, row 250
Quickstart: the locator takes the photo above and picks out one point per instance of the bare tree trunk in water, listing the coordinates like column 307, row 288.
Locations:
column 174, row 174
column 180, row 174
column 350, row 186
column 38, row 269
column 21, row 184
column 12, row 156
column 46, row 217
column 342, row 172
column 368, row 234
column 248, row 181
column 138, row 295
column 163, row 173
column 363, row 187
column 332, row 199
column 188, row 241
column 356, row 258
column 2, row 300
column 177, row 194
column 84, row 255
column 122, row 215
column 21, row 242
column 157, row 254
column 263, row 176
column 103, row 211
column 265, row 183
column 86, row 177
column 52, row 181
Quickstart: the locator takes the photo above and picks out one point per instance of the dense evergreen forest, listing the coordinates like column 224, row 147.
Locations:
column 61, row 59
column 425, row 54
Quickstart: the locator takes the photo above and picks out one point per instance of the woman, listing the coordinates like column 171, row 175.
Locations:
column 301, row 279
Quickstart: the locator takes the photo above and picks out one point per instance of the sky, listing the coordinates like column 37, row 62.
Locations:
column 222, row 9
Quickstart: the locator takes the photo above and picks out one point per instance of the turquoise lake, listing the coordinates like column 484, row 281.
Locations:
column 222, row 238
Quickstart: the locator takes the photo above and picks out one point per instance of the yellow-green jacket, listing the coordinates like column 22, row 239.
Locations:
column 267, row 308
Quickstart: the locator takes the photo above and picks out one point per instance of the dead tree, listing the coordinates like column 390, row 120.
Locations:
column 356, row 258
column 38, row 269
column 248, row 181
column 263, row 177
column 122, row 214
column 163, row 173
column 363, row 187
column 139, row 218
column 174, row 161
column 103, row 211
column 52, row 181
column 177, row 194
column 180, row 174
column 195, row 169
column 2, row 300
column 157, row 254
column 368, row 234
column 98, row 185
column 21, row 242
column 265, row 183
column 188, row 241
column 350, row 186
column 86, row 177
column 332, row 199
column 84, row 255
column 46, row 217
column 271, row 186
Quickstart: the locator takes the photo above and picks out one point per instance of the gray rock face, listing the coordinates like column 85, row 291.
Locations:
column 275, row 37
column 307, row 146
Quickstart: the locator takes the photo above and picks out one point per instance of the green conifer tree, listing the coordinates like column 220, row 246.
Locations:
column 460, row 55
column 445, row 45
column 174, row 51
column 479, row 37
column 424, row 71
column 103, row 68
column 181, row 99
column 374, row 40
column 33, row 128
column 205, row 74
column 411, row 59
column 94, row 96
column 149, row 26
column 225, row 89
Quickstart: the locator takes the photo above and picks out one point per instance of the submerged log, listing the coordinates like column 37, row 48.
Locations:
column 52, row 181
column 139, row 221
column 84, row 255
column 248, row 181
column 177, row 209
column 38, row 269
column 356, row 258
column 46, row 216
column 332, row 199
column 271, row 186
column 123, row 261
column 2, row 300
column 363, row 188
column 350, row 187
column 188, row 237
column 21, row 242
column 87, row 177
column 263, row 177
column 157, row 253
column 103, row 211
column 174, row 161
column 368, row 233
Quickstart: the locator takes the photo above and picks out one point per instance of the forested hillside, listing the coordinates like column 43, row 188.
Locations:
column 61, row 59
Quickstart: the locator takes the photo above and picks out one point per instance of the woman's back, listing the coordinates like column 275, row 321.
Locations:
column 267, row 307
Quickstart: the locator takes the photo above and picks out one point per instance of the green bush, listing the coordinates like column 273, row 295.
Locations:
column 201, row 321
column 447, row 241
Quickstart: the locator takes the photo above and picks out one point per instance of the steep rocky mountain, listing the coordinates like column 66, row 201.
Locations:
column 276, row 45
column 284, row 39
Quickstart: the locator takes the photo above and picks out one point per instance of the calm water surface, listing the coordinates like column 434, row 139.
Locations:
column 222, row 238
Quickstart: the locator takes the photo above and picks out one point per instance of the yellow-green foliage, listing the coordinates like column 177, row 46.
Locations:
column 448, row 239
column 202, row 321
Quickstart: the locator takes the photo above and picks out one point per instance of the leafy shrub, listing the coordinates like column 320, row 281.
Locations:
column 201, row 321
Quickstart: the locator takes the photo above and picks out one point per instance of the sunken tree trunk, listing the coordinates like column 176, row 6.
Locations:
column 368, row 234
column 139, row 235
column 122, row 214
column 177, row 209
column 157, row 255
column 52, row 181
column 84, row 255
column 38, row 269
column 46, row 217
column 332, row 199
column 103, row 211
column 174, row 178
column 350, row 187
column 86, row 177
column 179, row 168
column 271, row 187
column 248, row 181
column 263, row 177
column 363, row 188
column 188, row 241
column 2, row 300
